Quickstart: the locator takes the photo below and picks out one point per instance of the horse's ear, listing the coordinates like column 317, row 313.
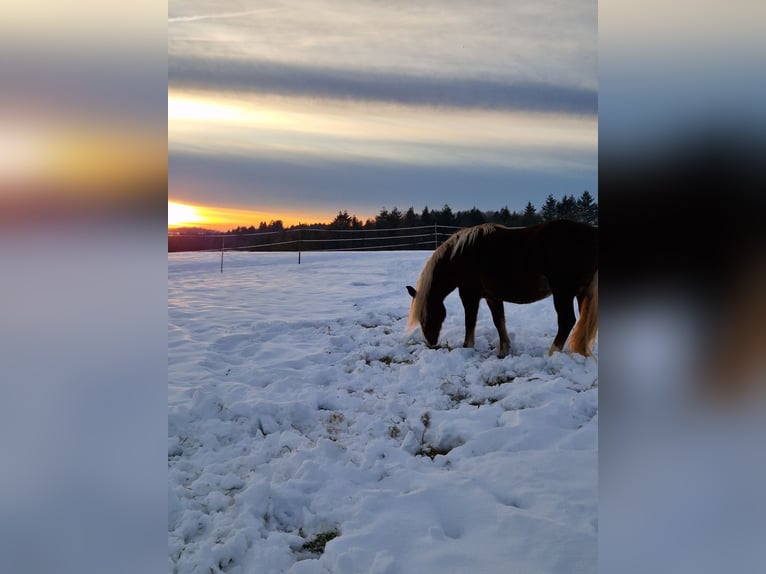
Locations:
column 411, row 291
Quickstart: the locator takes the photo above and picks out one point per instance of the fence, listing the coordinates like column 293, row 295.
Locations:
column 314, row 239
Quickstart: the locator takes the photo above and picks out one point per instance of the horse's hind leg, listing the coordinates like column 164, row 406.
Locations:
column 498, row 318
column 566, row 319
column 471, row 307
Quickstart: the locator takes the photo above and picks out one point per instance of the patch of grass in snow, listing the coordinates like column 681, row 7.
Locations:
column 335, row 424
column 457, row 396
column 386, row 330
column 388, row 361
column 223, row 566
column 432, row 451
column 499, row 380
column 482, row 402
column 317, row 544
column 427, row 449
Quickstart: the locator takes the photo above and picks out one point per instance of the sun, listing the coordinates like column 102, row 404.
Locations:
column 180, row 214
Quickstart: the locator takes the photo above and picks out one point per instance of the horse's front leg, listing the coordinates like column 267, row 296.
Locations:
column 471, row 307
column 498, row 318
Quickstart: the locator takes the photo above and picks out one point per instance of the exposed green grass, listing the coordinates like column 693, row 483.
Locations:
column 317, row 544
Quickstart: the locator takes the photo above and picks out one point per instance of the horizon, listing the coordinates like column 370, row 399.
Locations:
column 186, row 216
column 181, row 214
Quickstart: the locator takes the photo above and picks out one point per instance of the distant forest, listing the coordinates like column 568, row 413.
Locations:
column 274, row 236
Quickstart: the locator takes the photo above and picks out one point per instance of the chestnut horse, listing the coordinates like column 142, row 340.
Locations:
column 519, row 265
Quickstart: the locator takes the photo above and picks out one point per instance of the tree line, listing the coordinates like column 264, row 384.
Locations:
column 274, row 236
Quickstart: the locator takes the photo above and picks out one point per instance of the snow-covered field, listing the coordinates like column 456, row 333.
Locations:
column 307, row 433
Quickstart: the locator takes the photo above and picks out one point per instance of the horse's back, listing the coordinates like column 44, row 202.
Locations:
column 565, row 229
column 569, row 250
column 521, row 264
column 560, row 239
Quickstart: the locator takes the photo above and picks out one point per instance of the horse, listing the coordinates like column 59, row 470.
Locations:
column 518, row 265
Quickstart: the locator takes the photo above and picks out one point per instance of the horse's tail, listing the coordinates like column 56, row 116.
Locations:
column 585, row 329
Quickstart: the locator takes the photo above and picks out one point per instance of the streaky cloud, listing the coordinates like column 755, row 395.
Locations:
column 364, row 187
column 222, row 16
column 339, row 83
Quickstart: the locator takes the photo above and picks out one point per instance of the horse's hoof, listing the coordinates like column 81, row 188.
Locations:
column 552, row 349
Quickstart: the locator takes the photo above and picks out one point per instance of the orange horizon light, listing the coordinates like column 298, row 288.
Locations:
column 225, row 218
column 183, row 215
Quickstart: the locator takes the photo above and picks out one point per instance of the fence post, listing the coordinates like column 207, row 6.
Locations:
column 299, row 246
column 435, row 237
column 223, row 241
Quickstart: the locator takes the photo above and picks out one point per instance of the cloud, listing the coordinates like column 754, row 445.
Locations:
column 348, row 103
column 222, row 16
column 263, row 183
column 342, row 83
column 276, row 126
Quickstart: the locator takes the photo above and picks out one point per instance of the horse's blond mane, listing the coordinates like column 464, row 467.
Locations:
column 454, row 245
column 467, row 237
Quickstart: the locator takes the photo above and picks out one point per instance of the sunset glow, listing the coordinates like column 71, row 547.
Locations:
column 225, row 219
column 202, row 110
column 180, row 215
column 276, row 116
column 248, row 125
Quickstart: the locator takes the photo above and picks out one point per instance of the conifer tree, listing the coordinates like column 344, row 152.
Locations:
column 341, row 221
column 550, row 210
column 446, row 217
column 587, row 208
column 410, row 218
column 567, row 208
column 529, row 216
column 395, row 217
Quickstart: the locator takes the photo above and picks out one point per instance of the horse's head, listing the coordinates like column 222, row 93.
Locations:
column 429, row 313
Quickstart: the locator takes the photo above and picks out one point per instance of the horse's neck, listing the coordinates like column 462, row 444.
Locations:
column 442, row 284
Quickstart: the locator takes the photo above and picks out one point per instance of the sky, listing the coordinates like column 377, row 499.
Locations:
column 295, row 111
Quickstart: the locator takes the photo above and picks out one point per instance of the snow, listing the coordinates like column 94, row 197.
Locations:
column 307, row 433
